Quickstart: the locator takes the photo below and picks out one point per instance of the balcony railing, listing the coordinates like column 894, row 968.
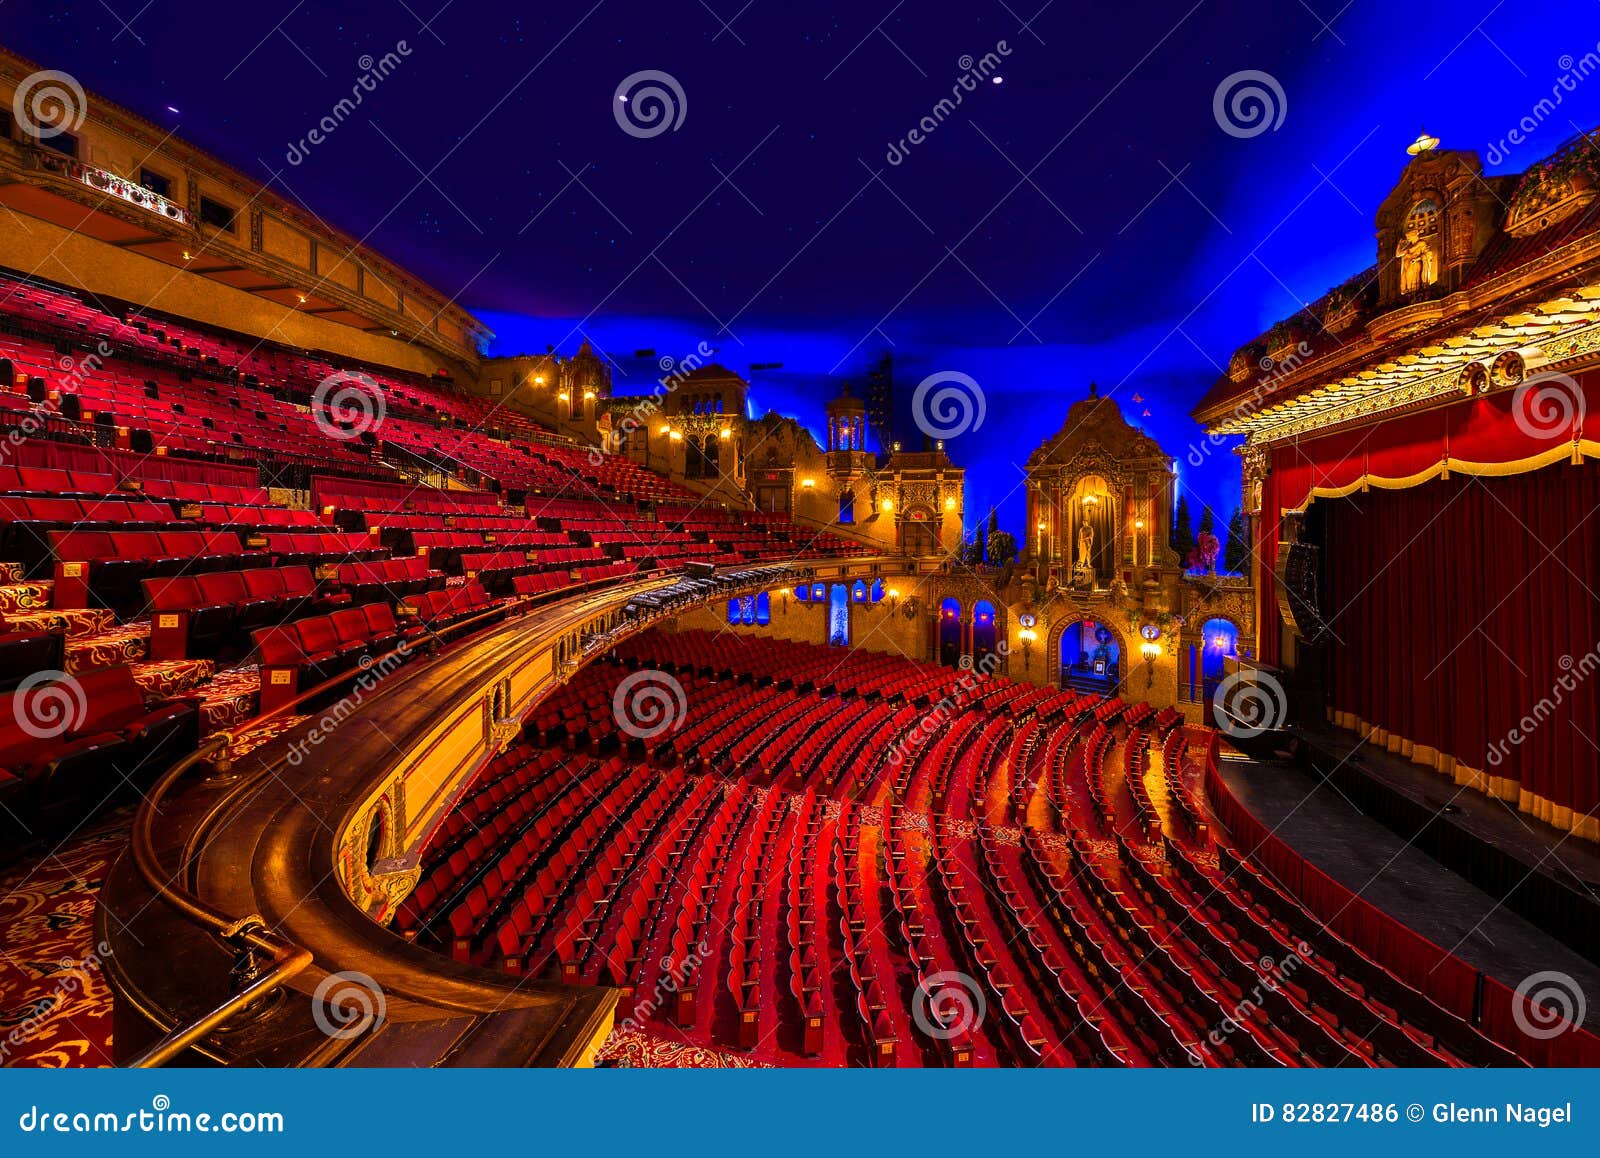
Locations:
column 112, row 185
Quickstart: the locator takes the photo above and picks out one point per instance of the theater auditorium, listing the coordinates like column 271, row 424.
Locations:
column 369, row 699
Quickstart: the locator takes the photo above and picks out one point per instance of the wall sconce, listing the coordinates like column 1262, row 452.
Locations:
column 588, row 395
column 725, row 432
column 887, row 504
column 675, row 436
column 663, row 429
column 1027, row 636
column 808, row 483
column 1041, row 524
column 1150, row 650
column 565, row 396
column 894, row 598
column 896, row 445
column 1138, row 524
column 1091, row 500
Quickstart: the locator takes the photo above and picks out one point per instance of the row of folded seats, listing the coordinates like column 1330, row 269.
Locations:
column 55, row 482
column 389, row 578
column 27, row 522
column 499, row 570
column 440, row 610
column 81, row 742
column 213, row 614
column 209, row 615
column 105, row 568
column 298, row 656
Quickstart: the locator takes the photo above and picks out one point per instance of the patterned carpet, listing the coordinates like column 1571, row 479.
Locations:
column 55, row 1004
column 629, row 1048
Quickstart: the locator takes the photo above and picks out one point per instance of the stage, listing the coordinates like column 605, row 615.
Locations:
column 1471, row 874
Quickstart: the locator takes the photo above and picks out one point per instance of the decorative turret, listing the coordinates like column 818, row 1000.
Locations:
column 847, row 422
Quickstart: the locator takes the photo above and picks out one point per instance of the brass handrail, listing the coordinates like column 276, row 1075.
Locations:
column 247, row 935
column 250, row 933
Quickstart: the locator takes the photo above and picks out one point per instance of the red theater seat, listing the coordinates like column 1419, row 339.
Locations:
column 113, row 741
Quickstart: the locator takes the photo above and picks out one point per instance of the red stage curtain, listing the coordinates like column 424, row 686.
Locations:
column 1505, row 427
column 1466, row 620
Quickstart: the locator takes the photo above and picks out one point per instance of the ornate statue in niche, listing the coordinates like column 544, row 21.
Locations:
column 1083, row 569
column 1418, row 250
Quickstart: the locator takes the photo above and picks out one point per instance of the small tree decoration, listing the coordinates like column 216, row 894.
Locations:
column 1236, row 555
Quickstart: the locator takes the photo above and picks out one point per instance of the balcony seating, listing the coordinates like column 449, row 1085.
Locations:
column 211, row 614
column 298, row 656
column 104, row 568
column 440, row 610
column 322, row 549
column 69, row 744
column 391, row 579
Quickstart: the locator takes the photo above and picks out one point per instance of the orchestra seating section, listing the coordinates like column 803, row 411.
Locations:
column 197, row 511
column 800, row 871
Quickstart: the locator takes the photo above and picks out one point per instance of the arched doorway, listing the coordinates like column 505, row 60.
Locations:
column 950, row 632
column 983, row 631
column 1208, row 659
column 1091, row 657
column 839, row 615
